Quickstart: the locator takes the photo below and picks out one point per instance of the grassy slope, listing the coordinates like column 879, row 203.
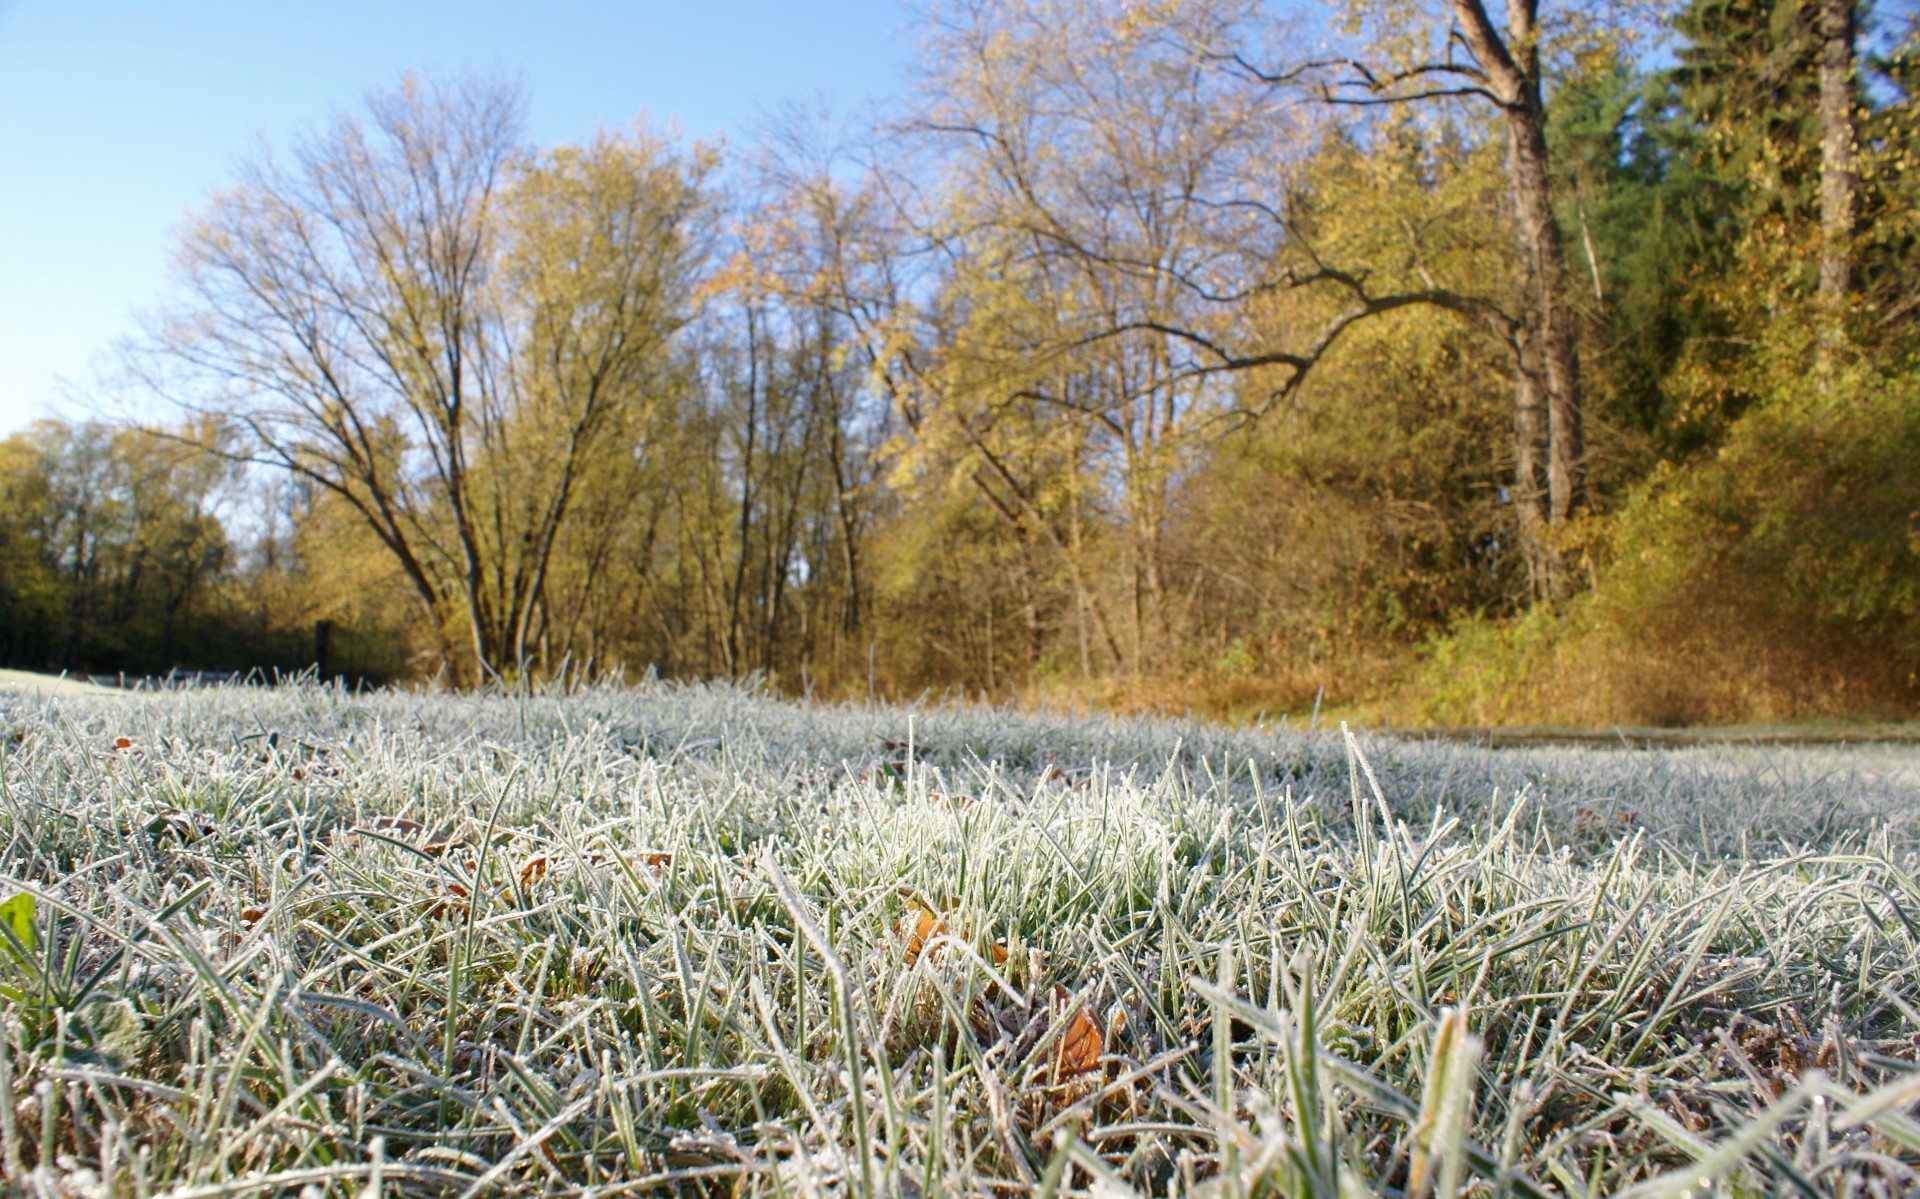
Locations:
column 233, row 992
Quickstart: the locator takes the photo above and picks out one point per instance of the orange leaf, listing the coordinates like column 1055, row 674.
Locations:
column 120, row 743
column 925, row 928
column 1078, row 1049
column 533, row 870
column 453, row 902
column 920, row 926
column 252, row 915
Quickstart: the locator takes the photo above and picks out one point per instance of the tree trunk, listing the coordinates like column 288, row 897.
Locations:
column 1836, row 148
column 1530, row 491
column 1512, row 68
column 1548, row 310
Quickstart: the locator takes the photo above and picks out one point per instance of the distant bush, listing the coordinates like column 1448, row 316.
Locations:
column 1776, row 579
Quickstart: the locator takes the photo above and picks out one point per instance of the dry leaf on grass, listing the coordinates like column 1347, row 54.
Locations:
column 1078, row 1050
column 920, row 927
column 178, row 822
column 452, row 901
column 399, row 828
column 1585, row 817
column 654, row 860
column 536, row 867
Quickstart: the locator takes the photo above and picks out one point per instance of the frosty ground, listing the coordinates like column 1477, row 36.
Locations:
column 698, row 939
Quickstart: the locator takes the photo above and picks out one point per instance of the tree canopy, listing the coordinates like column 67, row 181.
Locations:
column 1554, row 362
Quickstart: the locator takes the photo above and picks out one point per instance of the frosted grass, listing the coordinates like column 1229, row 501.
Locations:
column 1663, row 965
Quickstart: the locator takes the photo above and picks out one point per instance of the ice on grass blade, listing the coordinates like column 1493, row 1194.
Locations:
column 1446, row 1109
column 1873, row 1107
column 218, row 987
column 1723, row 1157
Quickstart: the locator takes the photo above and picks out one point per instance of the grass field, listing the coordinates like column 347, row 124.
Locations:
column 695, row 940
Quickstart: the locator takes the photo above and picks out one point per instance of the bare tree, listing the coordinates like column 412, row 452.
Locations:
column 443, row 330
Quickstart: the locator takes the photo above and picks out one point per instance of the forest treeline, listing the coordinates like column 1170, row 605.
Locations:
column 1553, row 363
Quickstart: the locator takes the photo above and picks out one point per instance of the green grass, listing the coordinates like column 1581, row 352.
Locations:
column 1309, row 965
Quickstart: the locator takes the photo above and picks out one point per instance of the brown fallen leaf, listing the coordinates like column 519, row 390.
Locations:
column 1585, row 817
column 120, row 743
column 399, row 828
column 920, row 926
column 252, row 915
column 178, row 822
column 656, row 860
column 953, row 803
column 452, row 901
column 534, row 869
column 1078, row 1050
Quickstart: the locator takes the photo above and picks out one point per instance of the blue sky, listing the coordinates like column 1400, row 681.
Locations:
column 117, row 119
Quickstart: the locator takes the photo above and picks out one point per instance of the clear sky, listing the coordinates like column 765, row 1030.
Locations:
column 119, row 118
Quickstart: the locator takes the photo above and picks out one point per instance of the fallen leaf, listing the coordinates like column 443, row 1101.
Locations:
column 533, row 870
column 1078, row 1049
column 925, row 927
column 399, row 828
column 188, row 826
column 953, row 803
column 120, row 743
column 655, row 860
column 1078, row 780
column 919, row 927
column 452, row 901
column 252, row 915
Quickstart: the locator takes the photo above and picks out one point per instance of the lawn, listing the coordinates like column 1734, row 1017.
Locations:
column 699, row 940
